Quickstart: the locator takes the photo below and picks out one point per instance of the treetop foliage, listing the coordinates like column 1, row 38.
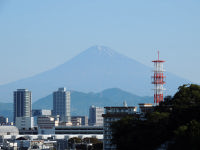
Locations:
column 174, row 123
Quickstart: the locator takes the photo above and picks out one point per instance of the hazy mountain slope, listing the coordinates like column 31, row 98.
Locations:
column 6, row 110
column 95, row 69
column 80, row 102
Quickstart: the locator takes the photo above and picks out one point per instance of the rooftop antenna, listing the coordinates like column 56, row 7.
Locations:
column 125, row 104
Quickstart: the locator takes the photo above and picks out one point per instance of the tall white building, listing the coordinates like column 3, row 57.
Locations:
column 22, row 103
column 95, row 116
column 61, row 104
column 22, row 109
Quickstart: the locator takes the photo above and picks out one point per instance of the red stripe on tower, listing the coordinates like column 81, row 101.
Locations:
column 158, row 80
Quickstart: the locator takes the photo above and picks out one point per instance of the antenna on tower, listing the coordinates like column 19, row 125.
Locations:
column 158, row 80
column 125, row 104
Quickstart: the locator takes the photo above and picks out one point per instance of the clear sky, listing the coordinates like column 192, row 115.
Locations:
column 37, row 35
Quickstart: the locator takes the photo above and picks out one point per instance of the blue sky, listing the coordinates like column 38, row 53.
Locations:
column 38, row 35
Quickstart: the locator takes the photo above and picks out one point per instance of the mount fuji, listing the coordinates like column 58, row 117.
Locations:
column 95, row 69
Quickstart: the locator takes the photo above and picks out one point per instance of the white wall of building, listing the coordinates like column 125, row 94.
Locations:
column 95, row 116
column 24, row 122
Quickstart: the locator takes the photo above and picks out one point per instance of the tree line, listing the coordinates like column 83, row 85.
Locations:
column 174, row 124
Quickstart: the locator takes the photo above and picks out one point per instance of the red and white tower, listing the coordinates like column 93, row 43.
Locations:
column 158, row 80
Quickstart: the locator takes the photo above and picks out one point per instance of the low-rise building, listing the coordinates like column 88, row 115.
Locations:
column 24, row 123
column 83, row 130
column 43, row 142
column 76, row 121
column 145, row 108
column 9, row 130
column 40, row 112
column 95, row 116
column 25, row 143
column 84, row 120
column 47, row 124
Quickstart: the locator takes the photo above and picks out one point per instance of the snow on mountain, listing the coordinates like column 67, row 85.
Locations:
column 95, row 69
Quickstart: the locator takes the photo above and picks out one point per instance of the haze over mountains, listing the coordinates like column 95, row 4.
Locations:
column 80, row 101
column 95, row 69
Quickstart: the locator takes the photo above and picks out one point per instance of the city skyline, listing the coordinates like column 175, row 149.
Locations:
column 32, row 31
column 67, row 66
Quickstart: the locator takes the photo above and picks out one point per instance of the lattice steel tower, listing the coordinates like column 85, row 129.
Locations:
column 158, row 80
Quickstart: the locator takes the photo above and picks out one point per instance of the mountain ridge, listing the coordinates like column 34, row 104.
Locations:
column 80, row 101
column 94, row 69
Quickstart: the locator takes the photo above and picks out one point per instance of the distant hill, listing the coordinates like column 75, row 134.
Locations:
column 80, row 102
column 6, row 110
column 94, row 69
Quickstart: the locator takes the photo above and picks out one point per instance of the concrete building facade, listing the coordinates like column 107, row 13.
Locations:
column 84, row 120
column 22, row 103
column 76, row 121
column 146, row 108
column 111, row 115
column 24, row 123
column 40, row 112
column 61, row 104
column 95, row 116
column 8, row 130
column 79, row 130
column 47, row 124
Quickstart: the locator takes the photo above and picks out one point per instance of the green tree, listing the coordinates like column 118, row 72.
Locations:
column 140, row 134
column 73, row 141
column 187, row 95
column 91, row 140
column 98, row 146
column 187, row 136
column 176, row 120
